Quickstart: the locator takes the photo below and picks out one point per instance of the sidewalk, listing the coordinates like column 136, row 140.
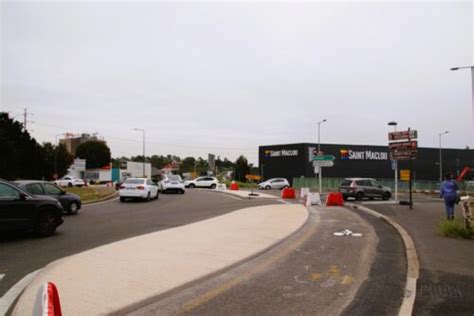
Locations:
column 112, row 278
column 446, row 283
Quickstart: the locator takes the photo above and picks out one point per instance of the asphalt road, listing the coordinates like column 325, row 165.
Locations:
column 107, row 222
column 312, row 273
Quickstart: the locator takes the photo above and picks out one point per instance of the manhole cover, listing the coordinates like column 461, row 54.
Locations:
column 440, row 290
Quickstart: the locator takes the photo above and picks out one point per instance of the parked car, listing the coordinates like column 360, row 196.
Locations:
column 138, row 188
column 202, row 182
column 360, row 188
column 276, row 183
column 20, row 210
column 171, row 182
column 71, row 202
column 69, row 181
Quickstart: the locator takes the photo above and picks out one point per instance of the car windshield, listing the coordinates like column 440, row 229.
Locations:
column 345, row 183
column 135, row 181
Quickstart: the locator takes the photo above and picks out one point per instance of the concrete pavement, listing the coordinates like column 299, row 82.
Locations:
column 446, row 283
column 114, row 277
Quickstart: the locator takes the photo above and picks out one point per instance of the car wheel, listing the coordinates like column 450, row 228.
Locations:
column 192, row 186
column 73, row 208
column 386, row 196
column 268, row 187
column 213, row 186
column 156, row 196
column 122, row 199
column 286, row 187
column 148, row 197
column 359, row 196
column 46, row 225
column 69, row 185
column 182, row 191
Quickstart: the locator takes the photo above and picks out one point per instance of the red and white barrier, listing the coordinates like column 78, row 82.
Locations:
column 47, row 301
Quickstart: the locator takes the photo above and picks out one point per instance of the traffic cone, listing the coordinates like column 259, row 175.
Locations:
column 335, row 199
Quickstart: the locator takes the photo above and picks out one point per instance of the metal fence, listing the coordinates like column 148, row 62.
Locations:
column 333, row 184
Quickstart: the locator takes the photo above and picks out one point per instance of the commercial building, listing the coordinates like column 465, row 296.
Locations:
column 295, row 160
column 72, row 141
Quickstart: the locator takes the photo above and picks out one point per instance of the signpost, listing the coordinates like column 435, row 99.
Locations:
column 404, row 146
column 322, row 161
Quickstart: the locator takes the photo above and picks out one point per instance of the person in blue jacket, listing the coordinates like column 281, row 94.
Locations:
column 449, row 192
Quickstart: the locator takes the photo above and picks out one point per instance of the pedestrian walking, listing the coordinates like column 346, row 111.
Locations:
column 449, row 192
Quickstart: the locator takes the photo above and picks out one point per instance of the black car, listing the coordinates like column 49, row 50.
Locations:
column 71, row 202
column 20, row 210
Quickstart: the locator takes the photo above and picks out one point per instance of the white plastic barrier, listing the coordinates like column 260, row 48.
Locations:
column 313, row 199
column 304, row 192
column 221, row 187
column 47, row 301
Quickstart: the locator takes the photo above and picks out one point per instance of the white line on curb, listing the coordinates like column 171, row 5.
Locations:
column 1, row 276
column 7, row 300
column 413, row 265
column 102, row 202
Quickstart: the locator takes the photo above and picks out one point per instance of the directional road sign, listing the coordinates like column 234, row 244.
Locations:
column 323, row 163
column 403, row 146
column 411, row 134
column 324, row 158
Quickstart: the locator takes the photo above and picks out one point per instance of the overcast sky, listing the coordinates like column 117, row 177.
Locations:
column 224, row 78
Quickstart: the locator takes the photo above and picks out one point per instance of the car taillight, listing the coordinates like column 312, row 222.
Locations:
column 140, row 187
column 122, row 187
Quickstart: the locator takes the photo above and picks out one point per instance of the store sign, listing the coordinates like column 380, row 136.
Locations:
column 281, row 153
column 363, row 155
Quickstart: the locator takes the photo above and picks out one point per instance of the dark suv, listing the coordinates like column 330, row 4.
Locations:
column 71, row 202
column 21, row 211
column 360, row 188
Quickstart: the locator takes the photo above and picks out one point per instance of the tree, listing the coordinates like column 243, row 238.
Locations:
column 187, row 164
column 96, row 153
column 242, row 168
column 21, row 156
column 56, row 159
column 159, row 161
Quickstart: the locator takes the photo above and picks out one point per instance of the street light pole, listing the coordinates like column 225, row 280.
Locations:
column 319, row 150
column 441, row 157
column 394, row 124
column 472, row 95
column 143, row 131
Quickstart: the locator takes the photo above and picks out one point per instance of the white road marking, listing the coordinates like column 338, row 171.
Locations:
column 103, row 202
column 1, row 276
column 7, row 300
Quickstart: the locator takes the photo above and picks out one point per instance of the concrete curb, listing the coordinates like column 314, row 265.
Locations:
column 244, row 196
column 413, row 265
column 109, row 197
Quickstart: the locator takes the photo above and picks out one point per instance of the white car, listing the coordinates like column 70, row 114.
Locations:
column 138, row 188
column 69, row 181
column 171, row 182
column 277, row 183
column 202, row 182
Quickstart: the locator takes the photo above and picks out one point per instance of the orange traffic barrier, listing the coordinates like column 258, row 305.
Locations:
column 335, row 199
column 234, row 186
column 288, row 193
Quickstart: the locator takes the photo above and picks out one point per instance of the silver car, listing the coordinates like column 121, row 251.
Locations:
column 276, row 183
column 360, row 188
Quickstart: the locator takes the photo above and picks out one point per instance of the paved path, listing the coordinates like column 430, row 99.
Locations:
column 446, row 284
column 114, row 277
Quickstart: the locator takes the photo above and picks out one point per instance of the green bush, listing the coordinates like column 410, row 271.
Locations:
column 455, row 229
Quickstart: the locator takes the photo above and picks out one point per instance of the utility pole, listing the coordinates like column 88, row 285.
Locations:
column 319, row 153
column 25, row 118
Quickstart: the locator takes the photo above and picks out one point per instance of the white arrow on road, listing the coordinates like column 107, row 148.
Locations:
column 1, row 276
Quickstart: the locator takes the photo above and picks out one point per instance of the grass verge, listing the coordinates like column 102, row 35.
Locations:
column 91, row 193
column 455, row 229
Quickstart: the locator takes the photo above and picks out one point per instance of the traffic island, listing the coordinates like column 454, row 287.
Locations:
column 118, row 276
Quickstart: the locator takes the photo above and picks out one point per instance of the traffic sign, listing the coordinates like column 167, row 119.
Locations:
column 403, row 155
column 410, row 134
column 405, row 174
column 324, row 158
column 323, row 163
column 403, row 146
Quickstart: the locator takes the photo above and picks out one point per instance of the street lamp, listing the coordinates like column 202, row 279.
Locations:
column 319, row 150
column 143, row 131
column 440, row 157
column 472, row 91
column 395, row 162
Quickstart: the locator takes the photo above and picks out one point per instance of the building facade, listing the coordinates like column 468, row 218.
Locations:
column 72, row 141
column 295, row 160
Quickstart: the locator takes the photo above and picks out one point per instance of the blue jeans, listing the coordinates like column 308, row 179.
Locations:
column 449, row 203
